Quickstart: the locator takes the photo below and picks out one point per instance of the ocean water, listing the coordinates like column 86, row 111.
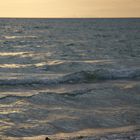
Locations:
column 68, row 75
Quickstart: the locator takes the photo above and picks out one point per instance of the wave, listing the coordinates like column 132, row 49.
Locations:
column 46, row 97
column 74, row 65
column 78, row 77
column 101, row 74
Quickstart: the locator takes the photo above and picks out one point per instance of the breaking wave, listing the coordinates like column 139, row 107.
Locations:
column 78, row 77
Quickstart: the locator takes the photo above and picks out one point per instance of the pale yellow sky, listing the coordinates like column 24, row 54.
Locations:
column 69, row 8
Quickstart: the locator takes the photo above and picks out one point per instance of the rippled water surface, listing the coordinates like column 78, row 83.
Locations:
column 68, row 75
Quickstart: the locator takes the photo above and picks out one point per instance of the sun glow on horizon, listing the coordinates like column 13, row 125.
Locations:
column 70, row 8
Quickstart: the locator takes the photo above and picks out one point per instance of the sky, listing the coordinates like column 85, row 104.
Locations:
column 69, row 8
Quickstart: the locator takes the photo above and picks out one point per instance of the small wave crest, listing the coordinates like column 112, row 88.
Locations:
column 101, row 74
column 77, row 77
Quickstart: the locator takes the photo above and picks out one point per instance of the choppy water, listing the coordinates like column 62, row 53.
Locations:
column 68, row 75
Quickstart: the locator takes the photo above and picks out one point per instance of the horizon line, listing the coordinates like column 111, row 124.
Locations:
column 68, row 17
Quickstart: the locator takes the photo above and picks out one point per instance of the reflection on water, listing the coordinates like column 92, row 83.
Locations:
column 69, row 77
column 21, row 65
column 14, row 37
column 12, row 53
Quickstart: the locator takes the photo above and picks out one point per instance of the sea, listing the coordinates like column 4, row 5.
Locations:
column 69, row 76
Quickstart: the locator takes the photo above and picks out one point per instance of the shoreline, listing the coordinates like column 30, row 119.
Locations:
column 121, row 133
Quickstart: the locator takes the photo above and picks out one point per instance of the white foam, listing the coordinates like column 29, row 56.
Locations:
column 16, row 37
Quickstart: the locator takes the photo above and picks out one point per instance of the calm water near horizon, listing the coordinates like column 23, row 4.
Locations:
column 68, row 75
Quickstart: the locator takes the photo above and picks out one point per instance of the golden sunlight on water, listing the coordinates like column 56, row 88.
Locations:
column 14, row 65
column 12, row 53
column 57, row 62
column 21, row 65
